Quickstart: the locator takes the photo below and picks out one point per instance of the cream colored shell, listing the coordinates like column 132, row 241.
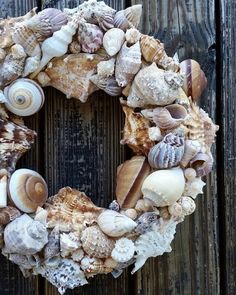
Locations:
column 113, row 40
column 123, row 251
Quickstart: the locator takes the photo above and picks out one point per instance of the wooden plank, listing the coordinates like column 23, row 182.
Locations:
column 11, row 279
column 227, row 147
column 193, row 266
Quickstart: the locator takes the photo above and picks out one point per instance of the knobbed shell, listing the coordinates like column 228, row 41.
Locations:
column 157, row 188
column 113, row 40
column 47, row 21
column 130, row 177
column 96, row 243
column 123, row 251
column 25, row 236
column 193, row 186
column 8, row 214
column 27, row 190
column 24, row 97
column 90, row 37
column 168, row 153
column 115, row 224
column 128, row 18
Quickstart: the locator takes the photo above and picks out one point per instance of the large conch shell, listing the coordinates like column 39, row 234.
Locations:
column 25, row 236
column 157, row 188
column 128, row 18
column 115, row 224
column 154, row 86
column 27, row 190
column 24, row 97
column 123, row 251
column 113, row 41
column 130, row 177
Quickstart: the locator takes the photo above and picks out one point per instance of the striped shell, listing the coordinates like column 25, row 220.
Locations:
column 108, row 85
column 8, row 214
column 90, row 37
column 128, row 18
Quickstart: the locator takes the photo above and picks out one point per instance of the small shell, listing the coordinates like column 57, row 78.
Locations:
column 52, row 248
column 27, row 190
column 114, row 206
column 108, row 85
column 106, row 68
column 25, row 261
column 130, row 177
column 131, row 213
column 74, row 47
column 191, row 148
column 194, row 78
column 3, row 191
column 123, row 251
column 175, row 210
column 43, row 79
column 190, row 174
column 90, row 37
column 113, row 41
column 69, row 243
column 194, row 187
column 93, row 266
column 132, row 36
column 115, row 224
column 96, row 243
column 8, row 214
column 168, row 153
column 24, row 97
column 145, row 222
column 110, row 262
column 144, row 205
column 47, row 21
column 77, row 255
column 188, row 205
column 3, row 54
column 41, row 215
column 157, row 188
column 31, row 64
column 202, row 163
column 128, row 18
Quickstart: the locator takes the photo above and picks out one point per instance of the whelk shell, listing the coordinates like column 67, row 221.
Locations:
column 123, row 250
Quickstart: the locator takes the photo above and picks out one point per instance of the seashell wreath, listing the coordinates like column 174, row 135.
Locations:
column 66, row 238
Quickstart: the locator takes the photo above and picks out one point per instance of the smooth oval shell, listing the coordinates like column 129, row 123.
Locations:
column 113, row 40
column 157, row 188
column 24, row 97
column 27, row 190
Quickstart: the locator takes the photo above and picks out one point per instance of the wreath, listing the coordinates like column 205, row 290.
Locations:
column 66, row 238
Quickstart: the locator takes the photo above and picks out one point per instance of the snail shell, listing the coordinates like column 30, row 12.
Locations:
column 188, row 205
column 123, row 251
column 113, row 40
column 27, row 190
column 128, row 18
column 24, row 97
column 191, row 148
column 90, row 37
column 202, row 163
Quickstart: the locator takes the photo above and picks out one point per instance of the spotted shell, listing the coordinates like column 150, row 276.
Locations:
column 96, row 243
column 90, row 37
column 123, row 250
column 8, row 214
column 113, row 41
column 24, row 97
column 128, row 18
column 27, row 190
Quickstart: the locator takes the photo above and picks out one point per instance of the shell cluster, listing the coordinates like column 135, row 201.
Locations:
column 67, row 238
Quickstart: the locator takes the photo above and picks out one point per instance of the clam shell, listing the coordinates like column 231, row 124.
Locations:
column 113, row 41
column 90, row 37
column 27, row 190
column 8, row 214
column 123, row 250
column 128, row 18
column 130, row 177
column 115, row 224
column 24, row 97
column 157, row 188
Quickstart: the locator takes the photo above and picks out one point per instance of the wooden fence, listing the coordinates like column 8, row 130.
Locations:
column 78, row 145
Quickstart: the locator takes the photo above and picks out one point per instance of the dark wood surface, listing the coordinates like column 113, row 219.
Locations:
column 78, row 145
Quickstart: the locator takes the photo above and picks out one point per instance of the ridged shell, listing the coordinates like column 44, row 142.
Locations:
column 96, row 243
column 90, row 37
column 123, row 251
column 69, row 242
column 8, row 214
column 154, row 86
column 128, row 63
column 157, row 188
column 74, row 47
column 194, row 187
column 145, row 222
column 130, row 177
column 114, row 224
column 113, row 41
column 188, row 205
column 202, row 163
column 106, row 68
column 52, row 248
column 25, row 236
column 27, row 190
column 194, row 78
column 128, row 18
column 132, row 36
column 191, row 148
column 108, row 85
column 168, row 153
column 93, row 266
column 3, row 192
column 31, row 64
column 47, row 21
column 24, row 97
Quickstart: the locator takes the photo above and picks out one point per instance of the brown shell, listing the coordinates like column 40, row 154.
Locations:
column 8, row 214
column 130, row 177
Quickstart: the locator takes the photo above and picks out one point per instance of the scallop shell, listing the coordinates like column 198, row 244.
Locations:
column 123, row 251
column 90, row 37
column 115, row 224
column 25, row 236
column 27, row 190
column 156, row 186
column 96, row 243
column 191, row 148
column 154, row 86
column 3, row 191
column 113, row 41
column 130, row 177
column 168, row 153
column 108, row 85
column 145, row 222
column 194, row 78
column 69, row 243
column 128, row 63
column 128, row 18
column 188, row 205
column 106, row 68
column 194, row 187
column 52, row 248
column 132, row 36
column 8, row 214
column 202, row 163
column 24, row 97
column 47, row 21
column 93, row 266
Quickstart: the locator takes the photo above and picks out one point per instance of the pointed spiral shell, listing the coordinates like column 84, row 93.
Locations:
column 123, row 251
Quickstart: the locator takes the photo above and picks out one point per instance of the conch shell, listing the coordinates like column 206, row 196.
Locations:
column 113, row 41
column 123, row 251
column 128, row 18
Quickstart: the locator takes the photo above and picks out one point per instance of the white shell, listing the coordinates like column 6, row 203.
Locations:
column 115, row 224
column 175, row 209
column 113, row 40
column 194, row 187
column 106, row 68
column 190, row 174
column 123, row 251
column 132, row 36
column 154, row 133
column 24, row 97
column 3, row 191
column 2, row 97
column 31, row 65
column 69, row 243
column 157, row 188
column 77, row 255
column 41, row 215
column 188, row 205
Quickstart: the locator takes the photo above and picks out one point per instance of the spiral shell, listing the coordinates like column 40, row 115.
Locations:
column 202, row 163
column 132, row 36
column 108, row 85
column 24, row 97
column 123, row 251
column 113, row 41
column 175, row 210
column 74, row 47
column 188, row 205
column 191, row 148
column 8, row 214
column 128, row 18
column 115, row 224
column 168, row 153
column 90, row 37
column 96, row 243
column 27, row 190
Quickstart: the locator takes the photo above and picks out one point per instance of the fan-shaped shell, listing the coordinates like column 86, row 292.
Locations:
column 24, row 97
column 90, row 37
column 115, row 224
column 113, row 41
column 157, row 188
column 96, row 243
column 123, row 251
column 25, row 236
column 128, row 18
column 128, row 63
column 168, row 153
column 27, row 190
column 130, row 177
column 8, row 214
